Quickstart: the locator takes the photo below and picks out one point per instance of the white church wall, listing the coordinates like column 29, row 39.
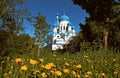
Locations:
column 55, row 30
column 69, row 28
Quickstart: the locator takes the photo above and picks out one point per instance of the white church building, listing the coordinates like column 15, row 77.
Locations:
column 63, row 31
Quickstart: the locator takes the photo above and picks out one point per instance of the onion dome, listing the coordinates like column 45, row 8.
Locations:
column 64, row 17
column 69, row 24
column 56, row 24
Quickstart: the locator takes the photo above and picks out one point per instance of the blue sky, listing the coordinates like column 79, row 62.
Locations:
column 49, row 8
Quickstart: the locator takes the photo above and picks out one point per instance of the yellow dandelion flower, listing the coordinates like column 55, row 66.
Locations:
column 93, row 66
column 73, row 72
column 66, row 70
column 10, row 72
column 89, row 73
column 47, row 66
column 88, row 60
column 77, row 76
column 51, row 64
column 51, row 71
column 116, row 72
column 24, row 68
column 33, row 62
column 67, row 64
column 103, row 74
column 54, row 55
column 86, row 76
column 44, row 75
column 114, row 59
column 37, row 71
column 5, row 75
column 18, row 60
column 41, row 60
column 116, row 65
column 78, row 66
column 42, row 66
column 58, row 73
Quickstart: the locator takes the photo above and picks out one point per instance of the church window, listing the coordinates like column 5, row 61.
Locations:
column 64, row 27
column 67, row 28
column 57, row 36
column 57, row 30
column 54, row 41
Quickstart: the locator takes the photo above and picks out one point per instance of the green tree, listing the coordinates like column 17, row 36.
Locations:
column 42, row 29
column 24, row 43
column 12, row 15
column 49, row 42
column 114, row 40
column 100, row 11
column 3, row 40
column 102, row 27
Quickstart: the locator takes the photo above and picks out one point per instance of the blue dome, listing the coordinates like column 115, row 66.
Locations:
column 64, row 17
column 56, row 24
column 69, row 24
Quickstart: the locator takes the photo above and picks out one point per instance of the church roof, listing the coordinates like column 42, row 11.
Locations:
column 64, row 17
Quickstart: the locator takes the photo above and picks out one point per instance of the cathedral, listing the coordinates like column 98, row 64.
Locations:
column 63, row 31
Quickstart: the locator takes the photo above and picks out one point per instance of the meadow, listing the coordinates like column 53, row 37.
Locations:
column 90, row 64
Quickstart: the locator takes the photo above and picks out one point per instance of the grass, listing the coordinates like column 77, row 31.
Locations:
column 99, row 64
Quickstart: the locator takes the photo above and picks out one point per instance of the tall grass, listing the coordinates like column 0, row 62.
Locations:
column 97, row 64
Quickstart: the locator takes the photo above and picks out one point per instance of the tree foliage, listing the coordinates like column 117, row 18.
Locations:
column 42, row 29
column 101, row 29
column 98, row 10
column 12, row 15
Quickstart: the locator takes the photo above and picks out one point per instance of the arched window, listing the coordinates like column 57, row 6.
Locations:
column 54, row 41
column 61, row 27
column 64, row 27
column 67, row 28
column 57, row 30
column 58, row 36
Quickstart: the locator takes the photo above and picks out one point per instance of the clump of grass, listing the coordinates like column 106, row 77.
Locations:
column 52, row 64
